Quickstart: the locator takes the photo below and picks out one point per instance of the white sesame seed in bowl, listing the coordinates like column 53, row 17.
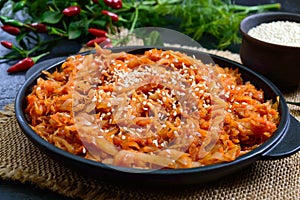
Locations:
column 271, row 46
column 285, row 33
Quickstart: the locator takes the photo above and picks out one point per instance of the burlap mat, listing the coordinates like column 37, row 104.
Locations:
column 20, row 160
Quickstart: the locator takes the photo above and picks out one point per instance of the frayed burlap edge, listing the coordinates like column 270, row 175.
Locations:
column 7, row 112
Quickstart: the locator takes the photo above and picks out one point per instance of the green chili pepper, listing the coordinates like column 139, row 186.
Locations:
column 9, row 21
column 19, row 6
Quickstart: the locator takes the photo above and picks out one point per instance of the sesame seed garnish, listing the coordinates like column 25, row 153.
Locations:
column 176, row 134
column 155, row 142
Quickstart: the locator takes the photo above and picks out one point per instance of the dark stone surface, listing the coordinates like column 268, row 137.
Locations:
column 9, row 84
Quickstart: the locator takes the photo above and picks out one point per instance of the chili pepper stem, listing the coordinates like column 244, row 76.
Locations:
column 21, row 51
column 41, row 44
column 36, row 58
column 10, row 57
column 136, row 15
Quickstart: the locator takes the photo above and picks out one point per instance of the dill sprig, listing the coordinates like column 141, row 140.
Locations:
column 217, row 18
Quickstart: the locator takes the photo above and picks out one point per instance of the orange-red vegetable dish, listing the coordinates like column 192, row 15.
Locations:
column 162, row 109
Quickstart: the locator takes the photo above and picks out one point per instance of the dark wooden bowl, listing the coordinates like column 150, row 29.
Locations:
column 281, row 64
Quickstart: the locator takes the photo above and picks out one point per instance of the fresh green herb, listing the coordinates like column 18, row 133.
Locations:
column 217, row 18
column 72, row 20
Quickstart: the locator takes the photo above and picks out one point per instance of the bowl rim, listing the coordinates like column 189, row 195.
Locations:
column 256, row 153
column 261, row 16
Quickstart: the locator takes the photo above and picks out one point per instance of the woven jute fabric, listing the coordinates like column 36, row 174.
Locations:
column 20, row 160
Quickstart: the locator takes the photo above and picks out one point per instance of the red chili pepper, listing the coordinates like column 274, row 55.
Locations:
column 39, row 27
column 7, row 44
column 95, row 1
column 98, row 40
column 25, row 64
column 11, row 29
column 114, row 17
column 97, row 32
column 72, row 11
column 115, row 4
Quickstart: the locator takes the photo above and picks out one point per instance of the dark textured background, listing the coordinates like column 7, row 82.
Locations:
column 10, row 84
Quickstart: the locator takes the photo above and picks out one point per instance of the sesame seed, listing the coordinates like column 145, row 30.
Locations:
column 205, row 105
column 174, row 105
column 140, row 130
column 175, row 113
column 155, row 142
column 159, row 101
column 176, row 134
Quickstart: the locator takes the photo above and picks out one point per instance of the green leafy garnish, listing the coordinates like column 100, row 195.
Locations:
column 196, row 18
